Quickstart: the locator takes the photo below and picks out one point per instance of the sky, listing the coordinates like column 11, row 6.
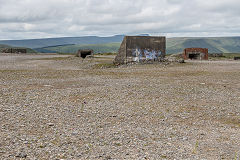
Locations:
column 27, row 19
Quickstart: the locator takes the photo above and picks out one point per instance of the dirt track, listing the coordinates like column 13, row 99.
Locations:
column 55, row 107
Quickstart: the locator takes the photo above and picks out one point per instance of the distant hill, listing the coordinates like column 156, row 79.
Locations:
column 215, row 45
column 97, row 48
column 4, row 46
column 29, row 50
column 40, row 43
column 112, row 44
column 174, row 45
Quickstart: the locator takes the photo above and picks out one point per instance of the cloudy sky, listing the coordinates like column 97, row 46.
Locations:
column 22, row 19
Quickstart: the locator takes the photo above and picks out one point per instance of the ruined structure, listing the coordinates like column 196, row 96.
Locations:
column 236, row 58
column 195, row 53
column 14, row 50
column 141, row 49
column 84, row 53
column 216, row 55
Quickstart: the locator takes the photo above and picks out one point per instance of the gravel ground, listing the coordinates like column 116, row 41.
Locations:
column 60, row 107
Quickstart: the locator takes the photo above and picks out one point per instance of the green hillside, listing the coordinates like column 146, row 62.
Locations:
column 45, row 42
column 3, row 46
column 97, row 48
column 215, row 45
column 29, row 50
column 174, row 45
column 112, row 44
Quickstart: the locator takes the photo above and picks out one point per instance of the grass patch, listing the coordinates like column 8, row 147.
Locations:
column 231, row 121
column 41, row 74
column 66, row 53
column 54, row 58
column 104, row 65
column 231, row 55
column 106, row 54
column 225, row 56
column 196, row 147
column 163, row 157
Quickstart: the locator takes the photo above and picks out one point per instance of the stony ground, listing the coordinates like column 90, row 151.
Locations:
column 60, row 107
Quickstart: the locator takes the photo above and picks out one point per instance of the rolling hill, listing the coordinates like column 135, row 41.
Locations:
column 215, row 45
column 112, row 44
column 4, row 46
column 97, row 48
column 29, row 50
column 174, row 45
column 40, row 43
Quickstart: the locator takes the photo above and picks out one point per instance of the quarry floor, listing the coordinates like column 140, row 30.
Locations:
column 61, row 107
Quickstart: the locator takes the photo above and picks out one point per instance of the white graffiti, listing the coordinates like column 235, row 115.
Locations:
column 145, row 54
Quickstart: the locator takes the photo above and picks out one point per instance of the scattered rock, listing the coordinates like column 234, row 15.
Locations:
column 50, row 124
column 181, row 61
column 75, row 133
column 107, row 158
column 21, row 155
column 185, row 138
column 128, row 111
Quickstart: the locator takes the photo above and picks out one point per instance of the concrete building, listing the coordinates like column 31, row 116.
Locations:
column 236, row 58
column 84, row 53
column 195, row 53
column 14, row 50
column 141, row 49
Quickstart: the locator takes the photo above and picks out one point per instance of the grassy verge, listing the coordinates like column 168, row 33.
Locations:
column 231, row 55
column 104, row 65
column 67, row 53
column 54, row 58
column 106, row 54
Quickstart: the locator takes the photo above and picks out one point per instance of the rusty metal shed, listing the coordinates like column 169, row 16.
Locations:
column 141, row 49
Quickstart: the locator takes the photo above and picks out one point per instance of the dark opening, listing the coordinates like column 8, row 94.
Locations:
column 236, row 58
column 84, row 54
column 194, row 56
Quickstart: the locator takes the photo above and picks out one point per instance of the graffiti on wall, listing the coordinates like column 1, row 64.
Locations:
column 145, row 54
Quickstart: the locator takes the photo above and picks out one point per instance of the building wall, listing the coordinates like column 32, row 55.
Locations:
column 14, row 50
column 121, row 56
column 236, row 58
column 141, row 48
column 81, row 53
column 203, row 53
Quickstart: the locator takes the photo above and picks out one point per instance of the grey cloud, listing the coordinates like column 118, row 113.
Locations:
column 54, row 18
